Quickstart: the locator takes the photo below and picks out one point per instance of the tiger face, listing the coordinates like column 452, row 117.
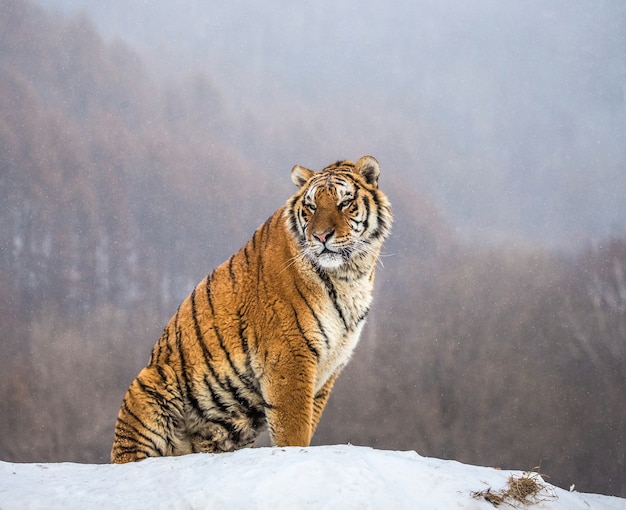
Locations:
column 339, row 216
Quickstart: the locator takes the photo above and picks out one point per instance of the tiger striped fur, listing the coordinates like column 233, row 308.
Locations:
column 261, row 340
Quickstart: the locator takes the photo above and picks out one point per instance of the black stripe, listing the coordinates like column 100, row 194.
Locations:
column 127, row 432
column 332, row 292
column 260, row 232
column 158, row 348
column 162, row 351
column 208, row 356
column 235, row 392
column 242, row 377
column 228, row 425
column 293, row 223
column 383, row 224
column 161, row 371
column 160, row 399
column 315, row 316
column 156, row 351
column 247, row 377
column 141, row 422
column 366, row 204
column 214, row 375
column 302, row 216
column 233, row 276
column 215, row 397
column 169, row 351
column 190, row 393
column 133, row 449
column 243, row 326
column 249, row 381
column 347, row 176
column 321, row 394
column 253, row 240
column 258, row 261
column 355, row 224
column 240, row 322
column 303, row 334
column 266, row 227
column 194, row 316
column 361, row 317
column 209, row 280
column 134, row 439
column 170, row 415
column 220, row 340
column 137, row 431
column 206, row 353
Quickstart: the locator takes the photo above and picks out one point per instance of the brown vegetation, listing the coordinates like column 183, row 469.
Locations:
column 524, row 490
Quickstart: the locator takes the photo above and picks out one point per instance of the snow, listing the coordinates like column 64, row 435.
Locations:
column 327, row 477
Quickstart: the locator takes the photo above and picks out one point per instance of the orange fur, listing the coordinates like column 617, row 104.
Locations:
column 262, row 339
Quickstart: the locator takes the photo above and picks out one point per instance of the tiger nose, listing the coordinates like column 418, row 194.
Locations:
column 323, row 236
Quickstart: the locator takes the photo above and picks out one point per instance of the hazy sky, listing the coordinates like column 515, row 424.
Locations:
column 523, row 101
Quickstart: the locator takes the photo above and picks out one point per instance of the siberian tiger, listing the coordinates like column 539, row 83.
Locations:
column 261, row 340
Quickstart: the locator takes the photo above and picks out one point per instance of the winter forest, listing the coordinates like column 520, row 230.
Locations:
column 141, row 143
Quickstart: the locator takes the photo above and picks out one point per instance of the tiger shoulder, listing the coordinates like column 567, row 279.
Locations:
column 260, row 341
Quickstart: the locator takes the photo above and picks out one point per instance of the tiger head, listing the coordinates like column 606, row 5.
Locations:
column 339, row 217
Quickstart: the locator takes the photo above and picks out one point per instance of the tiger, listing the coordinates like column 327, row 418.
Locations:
column 259, row 342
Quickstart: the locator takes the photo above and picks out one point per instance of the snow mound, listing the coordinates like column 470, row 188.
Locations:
column 329, row 477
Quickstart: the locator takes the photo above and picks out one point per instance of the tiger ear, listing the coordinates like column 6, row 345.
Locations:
column 369, row 169
column 300, row 175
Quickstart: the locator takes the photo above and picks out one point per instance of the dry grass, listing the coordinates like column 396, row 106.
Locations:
column 524, row 490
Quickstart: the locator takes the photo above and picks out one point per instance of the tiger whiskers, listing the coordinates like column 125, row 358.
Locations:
column 304, row 254
column 382, row 255
column 355, row 253
column 365, row 249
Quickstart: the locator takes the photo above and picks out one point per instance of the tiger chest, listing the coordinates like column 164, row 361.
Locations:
column 342, row 321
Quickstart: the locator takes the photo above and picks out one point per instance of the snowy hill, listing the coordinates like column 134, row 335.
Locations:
column 342, row 477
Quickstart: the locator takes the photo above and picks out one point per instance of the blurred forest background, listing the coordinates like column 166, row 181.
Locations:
column 141, row 143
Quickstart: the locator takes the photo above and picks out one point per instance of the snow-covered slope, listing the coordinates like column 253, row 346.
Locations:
column 329, row 477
